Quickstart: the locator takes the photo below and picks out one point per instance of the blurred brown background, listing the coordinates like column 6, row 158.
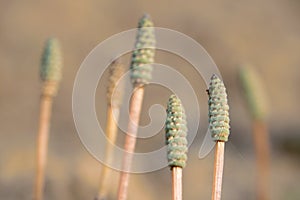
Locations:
column 263, row 33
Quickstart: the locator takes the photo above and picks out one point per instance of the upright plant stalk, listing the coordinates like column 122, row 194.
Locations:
column 51, row 75
column 219, row 127
column 176, row 132
column 256, row 99
column 114, row 101
column 141, row 68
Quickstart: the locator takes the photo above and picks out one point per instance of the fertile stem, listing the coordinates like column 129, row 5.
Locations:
column 255, row 95
column 219, row 128
column 114, row 101
column 50, row 73
column 140, row 74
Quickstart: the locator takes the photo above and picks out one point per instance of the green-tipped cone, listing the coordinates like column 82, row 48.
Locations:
column 176, row 132
column 254, row 92
column 115, row 92
column 143, row 54
column 51, row 65
column 218, row 110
